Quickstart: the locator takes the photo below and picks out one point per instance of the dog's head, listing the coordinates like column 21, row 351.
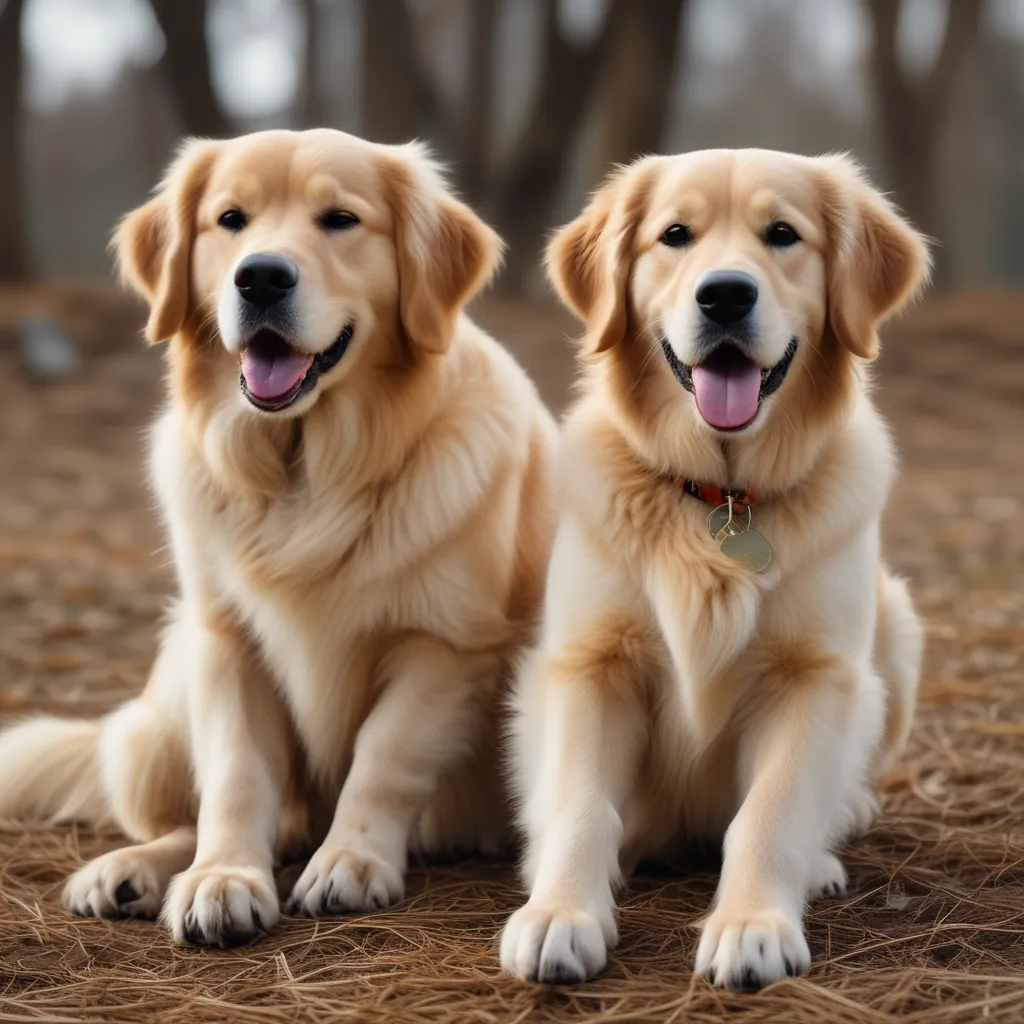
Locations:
column 303, row 254
column 710, row 281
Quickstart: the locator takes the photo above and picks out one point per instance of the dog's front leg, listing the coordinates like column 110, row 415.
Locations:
column 581, row 728
column 425, row 720
column 589, row 752
column 798, row 760
column 240, row 748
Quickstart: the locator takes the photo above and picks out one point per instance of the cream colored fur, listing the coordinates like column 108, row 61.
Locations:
column 675, row 696
column 357, row 573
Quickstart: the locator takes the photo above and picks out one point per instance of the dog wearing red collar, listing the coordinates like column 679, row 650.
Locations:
column 724, row 654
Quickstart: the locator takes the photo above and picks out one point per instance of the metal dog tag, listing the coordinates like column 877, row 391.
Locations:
column 736, row 539
column 723, row 522
column 750, row 548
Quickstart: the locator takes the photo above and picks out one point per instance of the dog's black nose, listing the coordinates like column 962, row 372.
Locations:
column 264, row 279
column 727, row 296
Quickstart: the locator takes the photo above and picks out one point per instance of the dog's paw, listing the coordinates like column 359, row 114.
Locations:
column 828, row 879
column 749, row 951
column 557, row 946
column 118, row 884
column 864, row 812
column 220, row 906
column 342, row 879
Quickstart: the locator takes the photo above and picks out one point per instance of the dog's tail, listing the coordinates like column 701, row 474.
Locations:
column 50, row 772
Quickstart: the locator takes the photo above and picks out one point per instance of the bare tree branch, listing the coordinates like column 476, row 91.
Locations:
column 525, row 191
column 311, row 108
column 187, row 63
column 887, row 72
column 636, row 86
column 475, row 136
column 15, row 263
column 963, row 26
column 913, row 112
column 391, row 74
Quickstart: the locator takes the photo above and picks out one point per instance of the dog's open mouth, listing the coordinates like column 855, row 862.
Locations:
column 275, row 374
column 727, row 385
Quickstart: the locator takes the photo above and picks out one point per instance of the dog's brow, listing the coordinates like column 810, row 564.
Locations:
column 324, row 190
column 768, row 203
column 237, row 190
column 687, row 204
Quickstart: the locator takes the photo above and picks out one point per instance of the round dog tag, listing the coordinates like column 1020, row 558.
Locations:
column 749, row 548
column 719, row 524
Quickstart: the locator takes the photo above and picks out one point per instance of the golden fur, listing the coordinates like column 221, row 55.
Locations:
column 357, row 571
column 675, row 695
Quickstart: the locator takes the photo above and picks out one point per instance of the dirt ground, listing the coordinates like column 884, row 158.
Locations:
column 932, row 929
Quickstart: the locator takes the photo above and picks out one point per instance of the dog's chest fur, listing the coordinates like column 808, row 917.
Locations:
column 317, row 582
column 723, row 641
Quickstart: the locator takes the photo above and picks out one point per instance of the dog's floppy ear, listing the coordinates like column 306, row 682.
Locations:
column 589, row 261
column 446, row 253
column 154, row 243
column 876, row 261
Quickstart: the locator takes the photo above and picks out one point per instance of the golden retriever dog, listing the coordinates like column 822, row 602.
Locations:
column 723, row 652
column 357, row 485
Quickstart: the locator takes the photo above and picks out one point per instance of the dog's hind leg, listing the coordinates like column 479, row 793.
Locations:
column 130, row 882
column 899, row 650
column 146, row 778
column 147, row 767
column 469, row 813
column 828, row 878
column 425, row 720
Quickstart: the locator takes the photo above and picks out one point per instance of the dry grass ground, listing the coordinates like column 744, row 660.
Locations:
column 932, row 930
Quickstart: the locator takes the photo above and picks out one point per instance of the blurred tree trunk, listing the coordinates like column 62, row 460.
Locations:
column 187, row 63
column 913, row 112
column 311, row 107
column 156, row 120
column 476, row 137
column 525, row 191
column 391, row 76
column 636, row 88
column 15, row 264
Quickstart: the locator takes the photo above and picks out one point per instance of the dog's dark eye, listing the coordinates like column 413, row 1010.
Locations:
column 337, row 220
column 233, row 220
column 780, row 235
column 677, row 236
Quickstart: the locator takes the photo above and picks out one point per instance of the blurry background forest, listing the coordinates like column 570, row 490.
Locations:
column 530, row 100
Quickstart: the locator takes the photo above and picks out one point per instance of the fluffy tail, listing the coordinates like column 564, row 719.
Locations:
column 50, row 772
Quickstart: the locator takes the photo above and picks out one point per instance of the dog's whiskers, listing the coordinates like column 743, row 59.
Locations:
column 209, row 320
column 653, row 346
column 817, row 351
column 652, row 349
column 790, row 422
column 814, row 383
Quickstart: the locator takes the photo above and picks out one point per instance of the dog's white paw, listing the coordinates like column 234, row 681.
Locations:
column 864, row 812
column 118, row 884
column 556, row 946
column 221, row 906
column 828, row 879
column 749, row 951
column 343, row 879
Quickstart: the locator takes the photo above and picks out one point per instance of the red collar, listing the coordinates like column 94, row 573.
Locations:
column 741, row 499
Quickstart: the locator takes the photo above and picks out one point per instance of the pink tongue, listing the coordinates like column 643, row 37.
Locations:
column 727, row 387
column 269, row 376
